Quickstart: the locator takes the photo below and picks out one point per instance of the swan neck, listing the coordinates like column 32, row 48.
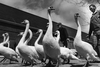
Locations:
column 58, row 37
column 25, row 33
column 30, row 36
column 4, row 38
column 40, row 35
column 78, row 34
column 49, row 29
column 5, row 41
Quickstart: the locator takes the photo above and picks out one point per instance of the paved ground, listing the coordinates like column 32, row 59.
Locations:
column 73, row 63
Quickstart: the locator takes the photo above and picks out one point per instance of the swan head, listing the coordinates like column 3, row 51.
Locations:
column 76, row 15
column 39, row 30
column 5, row 34
column 25, row 22
column 59, row 25
column 57, row 33
column 50, row 9
column 21, row 33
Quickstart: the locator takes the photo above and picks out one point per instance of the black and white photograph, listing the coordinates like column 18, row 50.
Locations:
column 49, row 33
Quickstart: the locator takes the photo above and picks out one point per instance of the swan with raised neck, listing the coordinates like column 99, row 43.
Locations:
column 50, row 45
column 7, row 52
column 39, row 47
column 27, row 52
column 83, row 48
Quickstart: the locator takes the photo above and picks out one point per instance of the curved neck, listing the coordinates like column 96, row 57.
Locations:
column 25, row 33
column 30, row 36
column 4, row 42
column 49, row 30
column 4, row 38
column 36, row 42
column 78, row 34
column 58, row 36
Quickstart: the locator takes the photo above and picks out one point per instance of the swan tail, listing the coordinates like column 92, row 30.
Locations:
column 95, row 53
column 71, row 56
column 94, row 57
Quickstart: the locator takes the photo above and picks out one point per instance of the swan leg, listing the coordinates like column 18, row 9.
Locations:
column 49, row 63
column 86, row 64
column 3, row 60
column 9, row 61
column 23, row 61
column 34, row 61
column 58, row 61
column 66, row 61
column 43, row 61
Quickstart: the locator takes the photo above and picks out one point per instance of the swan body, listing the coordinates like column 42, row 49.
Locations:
column 34, row 54
column 67, row 53
column 83, row 48
column 39, row 47
column 7, row 52
column 50, row 45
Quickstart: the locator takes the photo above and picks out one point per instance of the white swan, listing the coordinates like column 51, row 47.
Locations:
column 4, row 39
column 83, row 48
column 50, row 45
column 39, row 47
column 7, row 52
column 5, row 36
column 25, row 50
column 66, row 53
column 34, row 54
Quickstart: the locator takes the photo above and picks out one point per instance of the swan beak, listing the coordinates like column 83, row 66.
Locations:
column 47, row 25
column 36, row 32
column 50, row 9
column 3, row 34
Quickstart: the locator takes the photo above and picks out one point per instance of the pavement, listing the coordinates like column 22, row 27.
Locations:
column 73, row 63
